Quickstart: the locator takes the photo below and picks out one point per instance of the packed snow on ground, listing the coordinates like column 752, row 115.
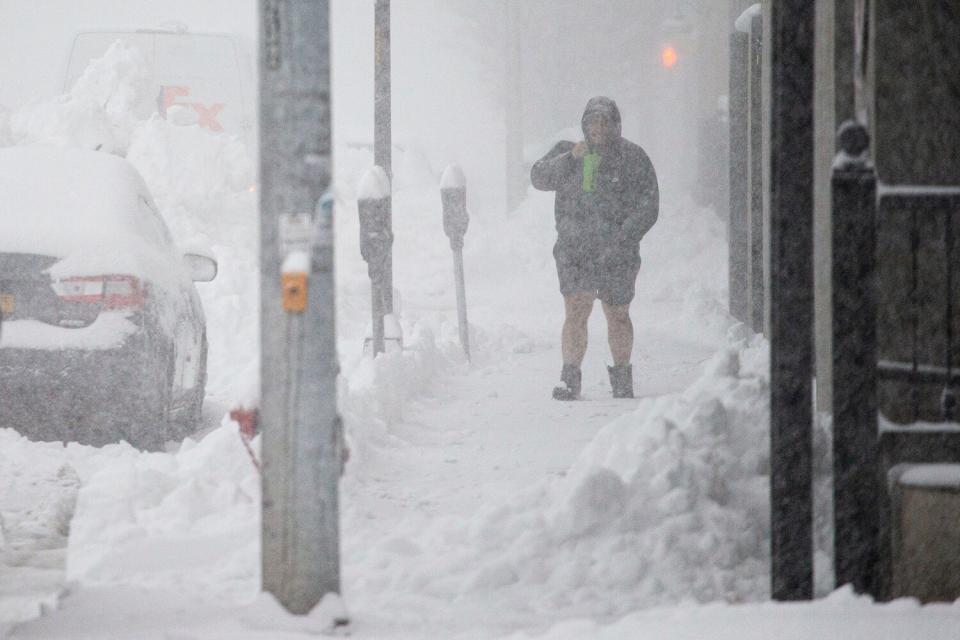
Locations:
column 473, row 506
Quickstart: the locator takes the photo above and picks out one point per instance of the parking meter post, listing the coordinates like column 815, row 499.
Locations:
column 376, row 309
column 461, row 301
column 453, row 196
column 301, row 447
column 376, row 240
column 383, row 128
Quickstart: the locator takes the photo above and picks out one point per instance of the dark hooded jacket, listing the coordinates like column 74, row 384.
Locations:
column 611, row 220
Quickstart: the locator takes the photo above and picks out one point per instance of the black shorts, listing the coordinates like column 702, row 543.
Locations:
column 614, row 285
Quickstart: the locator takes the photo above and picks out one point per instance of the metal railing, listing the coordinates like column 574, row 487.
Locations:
column 894, row 358
column 930, row 383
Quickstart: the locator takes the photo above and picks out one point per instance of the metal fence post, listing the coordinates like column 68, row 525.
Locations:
column 858, row 486
column 302, row 445
column 737, row 226
column 453, row 195
column 791, row 299
column 376, row 239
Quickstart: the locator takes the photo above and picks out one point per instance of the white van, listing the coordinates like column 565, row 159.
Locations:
column 207, row 72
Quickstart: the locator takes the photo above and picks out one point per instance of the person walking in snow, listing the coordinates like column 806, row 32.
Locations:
column 607, row 200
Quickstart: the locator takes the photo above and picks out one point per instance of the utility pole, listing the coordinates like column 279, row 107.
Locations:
column 382, row 125
column 302, row 440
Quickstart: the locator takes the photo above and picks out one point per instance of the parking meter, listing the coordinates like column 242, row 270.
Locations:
column 376, row 241
column 376, row 236
column 453, row 195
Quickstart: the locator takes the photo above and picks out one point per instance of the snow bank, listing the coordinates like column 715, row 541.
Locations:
column 100, row 112
column 665, row 505
column 374, row 394
column 842, row 615
column 188, row 520
column 40, row 483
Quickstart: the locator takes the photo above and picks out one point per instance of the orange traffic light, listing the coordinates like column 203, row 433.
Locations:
column 668, row 56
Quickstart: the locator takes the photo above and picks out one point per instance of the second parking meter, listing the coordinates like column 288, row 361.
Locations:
column 376, row 240
column 453, row 196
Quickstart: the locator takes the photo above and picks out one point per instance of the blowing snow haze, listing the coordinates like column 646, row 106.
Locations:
column 140, row 485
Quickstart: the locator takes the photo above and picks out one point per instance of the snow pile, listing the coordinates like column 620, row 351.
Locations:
column 666, row 504
column 671, row 503
column 374, row 393
column 266, row 614
column 40, row 486
column 188, row 520
column 100, row 112
column 842, row 615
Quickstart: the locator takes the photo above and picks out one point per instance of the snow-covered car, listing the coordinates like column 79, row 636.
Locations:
column 103, row 335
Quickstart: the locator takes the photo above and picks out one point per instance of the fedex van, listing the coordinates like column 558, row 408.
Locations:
column 206, row 72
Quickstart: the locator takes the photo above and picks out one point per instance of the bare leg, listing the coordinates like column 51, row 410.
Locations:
column 574, row 338
column 619, row 332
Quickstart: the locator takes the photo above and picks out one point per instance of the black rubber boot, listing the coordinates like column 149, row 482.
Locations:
column 621, row 379
column 570, row 376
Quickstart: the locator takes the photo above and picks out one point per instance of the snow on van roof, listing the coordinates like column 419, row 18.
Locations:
column 73, row 203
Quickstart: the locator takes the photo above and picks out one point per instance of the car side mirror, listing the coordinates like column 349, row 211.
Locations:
column 201, row 268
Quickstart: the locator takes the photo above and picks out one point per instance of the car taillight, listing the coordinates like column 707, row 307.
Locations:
column 113, row 292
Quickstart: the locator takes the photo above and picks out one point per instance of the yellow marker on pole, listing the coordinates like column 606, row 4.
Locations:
column 293, row 281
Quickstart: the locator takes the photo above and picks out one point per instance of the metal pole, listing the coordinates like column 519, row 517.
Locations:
column 382, row 125
column 755, row 271
column 791, row 298
column 737, row 228
column 461, row 301
column 456, row 221
column 301, row 429
column 376, row 309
